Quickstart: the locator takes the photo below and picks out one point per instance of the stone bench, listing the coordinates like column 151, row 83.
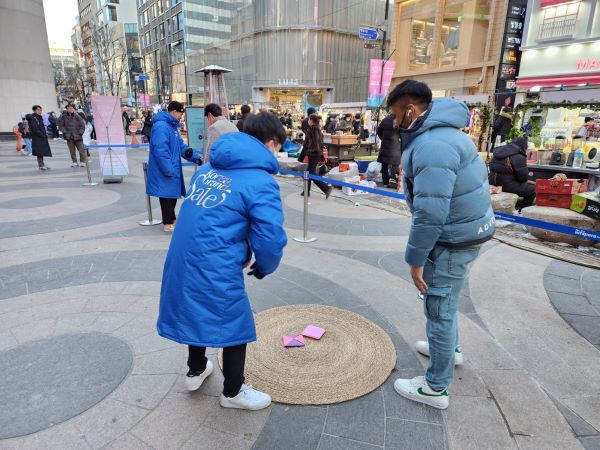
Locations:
column 504, row 202
column 562, row 217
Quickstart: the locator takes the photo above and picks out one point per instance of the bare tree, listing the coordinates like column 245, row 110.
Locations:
column 78, row 85
column 110, row 53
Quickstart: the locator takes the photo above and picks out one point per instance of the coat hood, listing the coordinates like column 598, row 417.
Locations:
column 443, row 112
column 507, row 150
column 242, row 151
column 164, row 116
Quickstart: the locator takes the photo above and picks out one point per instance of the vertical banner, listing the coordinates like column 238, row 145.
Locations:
column 196, row 127
column 108, row 122
column 378, row 85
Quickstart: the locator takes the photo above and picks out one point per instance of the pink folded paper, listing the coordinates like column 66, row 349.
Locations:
column 314, row 332
column 293, row 341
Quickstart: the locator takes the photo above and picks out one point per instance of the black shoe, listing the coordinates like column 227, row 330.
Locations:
column 302, row 194
column 328, row 193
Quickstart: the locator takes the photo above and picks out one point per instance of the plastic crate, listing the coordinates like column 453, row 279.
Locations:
column 559, row 187
column 554, row 200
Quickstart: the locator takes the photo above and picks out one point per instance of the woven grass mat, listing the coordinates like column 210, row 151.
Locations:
column 353, row 358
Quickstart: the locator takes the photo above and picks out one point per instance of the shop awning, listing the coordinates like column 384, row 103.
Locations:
column 545, row 3
column 566, row 80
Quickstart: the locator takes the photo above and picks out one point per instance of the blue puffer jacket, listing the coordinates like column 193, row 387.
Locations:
column 232, row 209
column 445, row 182
column 165, row 176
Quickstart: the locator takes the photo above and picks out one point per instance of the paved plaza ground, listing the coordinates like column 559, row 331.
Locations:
column 80, row 282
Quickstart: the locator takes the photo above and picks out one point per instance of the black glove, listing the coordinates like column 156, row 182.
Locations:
column 188, row 153
column 254, row 272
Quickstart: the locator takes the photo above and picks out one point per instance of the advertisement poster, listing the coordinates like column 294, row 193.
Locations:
column 196, row 127
column 108, row 122
column 378, row 86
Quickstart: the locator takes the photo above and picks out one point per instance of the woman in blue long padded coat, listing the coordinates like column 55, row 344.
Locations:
column 232, row 211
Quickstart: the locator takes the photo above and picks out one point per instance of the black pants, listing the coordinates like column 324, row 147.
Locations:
column 313, row 160
column 167, row 208
column 385, row 173
column 234, row 359
column 40, row 161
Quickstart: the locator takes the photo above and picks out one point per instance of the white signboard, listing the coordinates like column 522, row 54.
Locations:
column 108, row 122
column 574, row 59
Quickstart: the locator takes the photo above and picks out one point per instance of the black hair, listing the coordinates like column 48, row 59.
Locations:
column 34, row 107
column 357, row 116
column 214, row 109
column 416, row 91
column 245, row 109
column 265, row 126
column 587, row 119
column 315, row 118
column 175, row 106
column 310, row 111
column 71, row 105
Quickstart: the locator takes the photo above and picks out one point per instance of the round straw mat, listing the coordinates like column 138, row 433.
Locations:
column 353, row 358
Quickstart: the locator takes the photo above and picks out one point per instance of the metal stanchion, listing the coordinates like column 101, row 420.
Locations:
column 150, row 220
column 89, row 175
column 305, row 239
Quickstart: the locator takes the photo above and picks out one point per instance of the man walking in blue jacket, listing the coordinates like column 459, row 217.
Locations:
column 165, row 174
column 232, row 211
column 446, row 188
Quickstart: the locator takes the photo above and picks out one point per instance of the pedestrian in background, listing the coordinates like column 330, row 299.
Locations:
column 39, row 137
column 25, row 134
column 203, row 302
column 87, row 135
column 72, row 127
column 217, row 126
column 147, row 127
column 126, row 121
column 304, row 125
column 313, row 150
column 53, row 126
column 245, row 109
column 165, row 174
column 390, row 154
column 446, row 187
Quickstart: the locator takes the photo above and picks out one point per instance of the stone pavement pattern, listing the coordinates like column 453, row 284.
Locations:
column 80, row 284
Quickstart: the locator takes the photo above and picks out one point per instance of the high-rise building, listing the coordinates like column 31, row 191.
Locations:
column 282, row 53
column 110, row 45
column 26, row 72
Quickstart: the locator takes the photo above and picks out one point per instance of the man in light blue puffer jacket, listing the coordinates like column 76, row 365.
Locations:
column 446, row 188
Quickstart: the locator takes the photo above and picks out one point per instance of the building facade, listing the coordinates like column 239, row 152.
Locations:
column 561, row 50
column 26, row 71
column 282, row 53
column 454, row 46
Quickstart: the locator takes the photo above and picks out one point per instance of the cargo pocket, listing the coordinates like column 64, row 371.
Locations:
column 437, row 302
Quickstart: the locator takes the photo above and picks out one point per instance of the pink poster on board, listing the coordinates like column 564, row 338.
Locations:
column 108, row 122
column 378, row 85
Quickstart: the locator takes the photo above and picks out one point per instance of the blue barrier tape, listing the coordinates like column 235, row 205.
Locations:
column 344, row 184
column 579, row 232
column 118, row 146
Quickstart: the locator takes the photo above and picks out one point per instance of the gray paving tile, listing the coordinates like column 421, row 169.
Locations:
column 145, row 391
column 398, row 407
column 541, row 442
column 587, row 326
column 337, row 443
column 292, row 427
column 127, row 442
column 590, row 443
column 564, row 269
column 362, row 419
column 50, row 381
column 572, row 304
column 237, row 422
column 209, row 439
column 580, row 427
column 160, row 362
column 403, row 434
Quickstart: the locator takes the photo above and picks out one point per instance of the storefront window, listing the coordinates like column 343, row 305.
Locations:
column 417, row 23
column 464, row 32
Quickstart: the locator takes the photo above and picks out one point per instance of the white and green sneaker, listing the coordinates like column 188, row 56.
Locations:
column 418, row 390
column 423, row 348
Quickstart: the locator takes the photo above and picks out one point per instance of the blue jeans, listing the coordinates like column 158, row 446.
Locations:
column 27, row 142
column 444, row 272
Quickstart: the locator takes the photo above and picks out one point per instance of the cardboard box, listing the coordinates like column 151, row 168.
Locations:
column 344, row 139
column 554, row 200
column 560, row 187
column 587, row 203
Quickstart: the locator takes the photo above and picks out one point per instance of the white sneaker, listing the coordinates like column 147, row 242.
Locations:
column 423, row 348
column 44, row 168
column 74, row 164
column 193, row 381
column 418, row 390
column 248, row 398
column 81, row 164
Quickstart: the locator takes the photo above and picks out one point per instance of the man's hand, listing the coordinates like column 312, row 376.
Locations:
column 254, row 272
column 417, row 275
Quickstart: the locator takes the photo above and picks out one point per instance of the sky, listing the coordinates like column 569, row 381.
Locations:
column 60, row 19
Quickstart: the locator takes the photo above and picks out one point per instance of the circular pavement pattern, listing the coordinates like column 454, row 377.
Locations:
column 30, row 202
column 353, row 357
column 50, row 381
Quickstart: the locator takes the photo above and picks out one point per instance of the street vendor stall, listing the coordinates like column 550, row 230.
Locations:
column 346, row 147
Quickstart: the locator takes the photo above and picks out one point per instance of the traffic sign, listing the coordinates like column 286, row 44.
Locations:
column 143, row 77
column 368, row 33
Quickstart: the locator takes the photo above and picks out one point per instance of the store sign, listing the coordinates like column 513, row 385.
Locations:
column 288, row 82
column 588, row 64
column 510, row 56
column 378, row 84
column 561, row 60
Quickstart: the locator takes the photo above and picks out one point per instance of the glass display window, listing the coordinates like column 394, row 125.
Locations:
column 416, row 23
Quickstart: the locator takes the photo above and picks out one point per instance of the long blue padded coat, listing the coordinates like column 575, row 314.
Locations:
column 232, row 209
column 165, row 175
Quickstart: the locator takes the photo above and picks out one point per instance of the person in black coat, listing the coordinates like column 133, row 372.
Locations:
column 304, row 125
column 508, row 169
column 39, row 138
column 502, row 125
column 53, row 125
column 245, row 112
column 147, row 128
column 313, row 149
column 390, row 153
